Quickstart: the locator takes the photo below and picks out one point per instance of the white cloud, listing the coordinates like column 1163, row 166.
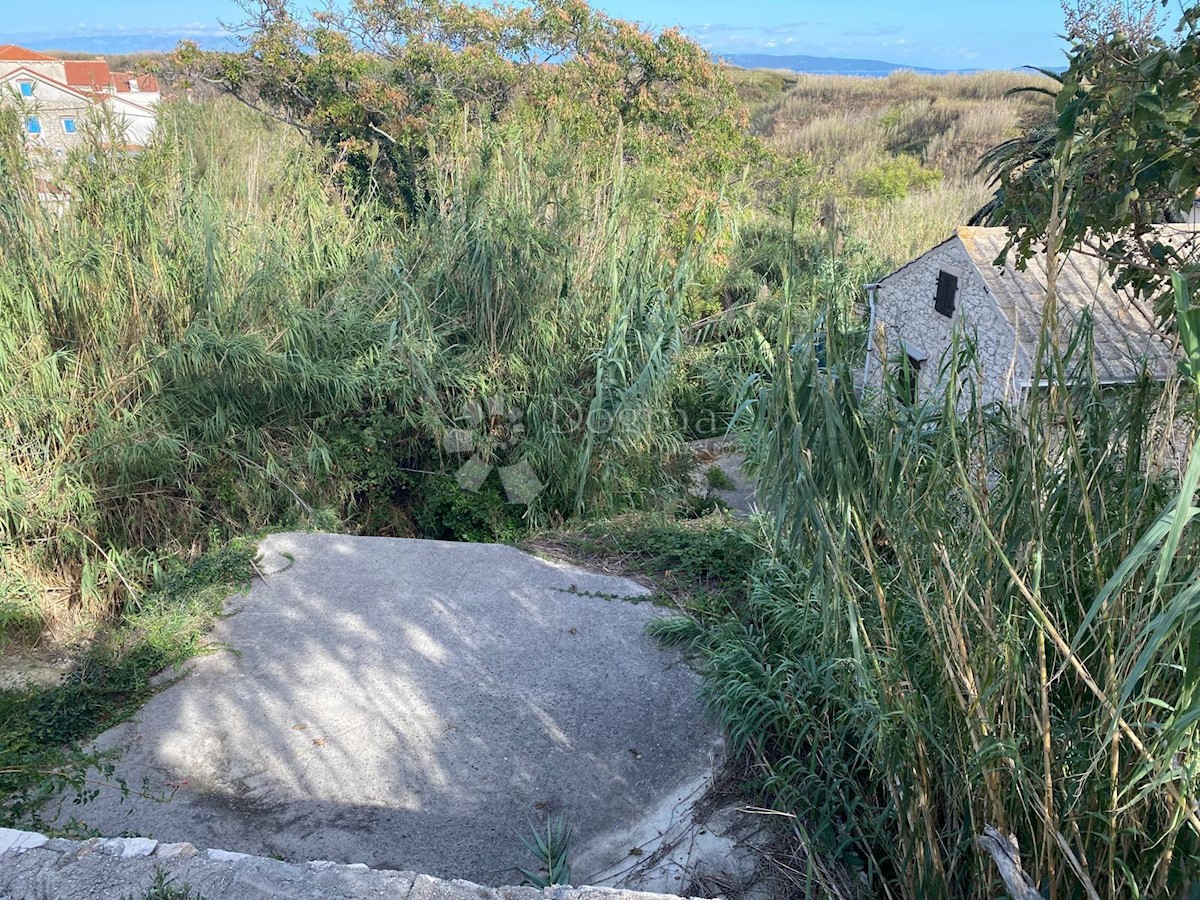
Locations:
column 85, row 29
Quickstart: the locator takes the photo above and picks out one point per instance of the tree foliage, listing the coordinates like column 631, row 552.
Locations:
column 1126, row 145
column 1094, row 20
column 374, row 81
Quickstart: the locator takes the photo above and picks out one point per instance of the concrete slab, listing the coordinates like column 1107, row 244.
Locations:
column 742, row 498
column 410, row 705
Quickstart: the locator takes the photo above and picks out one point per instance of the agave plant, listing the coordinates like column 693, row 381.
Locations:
column 550, row 843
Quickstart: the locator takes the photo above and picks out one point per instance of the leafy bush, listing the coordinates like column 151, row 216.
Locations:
column 893, row 179
column 444, row 510
column 374, row 82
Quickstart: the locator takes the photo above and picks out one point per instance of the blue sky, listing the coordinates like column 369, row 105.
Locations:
column 935, row 33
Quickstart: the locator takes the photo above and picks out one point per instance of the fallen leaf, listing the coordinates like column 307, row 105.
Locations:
column 636, row 851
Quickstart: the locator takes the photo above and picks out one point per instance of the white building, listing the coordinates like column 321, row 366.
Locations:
column 59, row 100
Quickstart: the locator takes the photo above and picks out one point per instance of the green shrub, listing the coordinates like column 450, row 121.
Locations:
column 893, row 179
column 444, row 510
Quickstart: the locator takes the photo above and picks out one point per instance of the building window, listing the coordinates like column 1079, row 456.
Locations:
column 69, row 126
column 908, row 379
column 947, row 289
column 33, row 124
column 26, row 88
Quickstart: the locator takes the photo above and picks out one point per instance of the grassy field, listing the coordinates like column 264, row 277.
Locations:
column 898, row 156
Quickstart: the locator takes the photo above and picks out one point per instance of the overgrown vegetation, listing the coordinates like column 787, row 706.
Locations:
column 976, row 618
column 476, row 292
column 40, row 728
column 897, row 158
column 187, row 349
column 960, row 623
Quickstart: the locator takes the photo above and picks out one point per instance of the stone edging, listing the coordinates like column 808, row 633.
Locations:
column 35, row 867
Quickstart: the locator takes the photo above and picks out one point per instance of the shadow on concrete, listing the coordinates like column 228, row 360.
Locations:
column 412, row 705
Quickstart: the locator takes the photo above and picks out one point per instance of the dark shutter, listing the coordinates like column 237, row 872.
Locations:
column 946, row 290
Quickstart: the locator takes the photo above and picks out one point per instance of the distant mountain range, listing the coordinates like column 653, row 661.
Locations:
column 100, row 44
column 134, row 42
column 827, row 65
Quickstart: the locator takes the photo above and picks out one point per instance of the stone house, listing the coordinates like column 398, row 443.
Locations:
column 955, row 291
column 59, row 100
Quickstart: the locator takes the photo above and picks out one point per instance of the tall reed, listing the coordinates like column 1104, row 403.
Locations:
column 971, row 620
column 208, row 340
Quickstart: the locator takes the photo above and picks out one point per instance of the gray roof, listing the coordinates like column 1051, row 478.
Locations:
column 1125, row 331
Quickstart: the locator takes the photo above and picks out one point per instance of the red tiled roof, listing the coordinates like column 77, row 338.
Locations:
column 122, row 82
column 39, row 76
column 13, row 53
column 87, row 73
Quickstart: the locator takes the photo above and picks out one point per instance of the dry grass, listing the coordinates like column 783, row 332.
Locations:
column 902, row 229
column 815, row 95
column 856, row 129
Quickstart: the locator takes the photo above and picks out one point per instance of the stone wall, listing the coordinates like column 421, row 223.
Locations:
column 907, row 322
column 34, row 867
column 51, row 107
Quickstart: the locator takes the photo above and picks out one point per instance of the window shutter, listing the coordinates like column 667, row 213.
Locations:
column 947, row 288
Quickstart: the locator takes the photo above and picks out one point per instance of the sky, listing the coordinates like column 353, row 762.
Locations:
column 943, row 34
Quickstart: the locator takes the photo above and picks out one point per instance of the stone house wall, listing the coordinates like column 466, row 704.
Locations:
column 117, row 118
column 133, row 123
column 51, row 106
column 906, row 322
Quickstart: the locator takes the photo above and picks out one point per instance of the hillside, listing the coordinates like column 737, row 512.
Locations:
column 823, row 65
column 900, row 154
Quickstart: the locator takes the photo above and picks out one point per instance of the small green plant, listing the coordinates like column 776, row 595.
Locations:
column 551, row 844
column 163, row 887
column 718, row 480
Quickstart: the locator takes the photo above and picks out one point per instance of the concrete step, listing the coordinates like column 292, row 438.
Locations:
column 34, row 867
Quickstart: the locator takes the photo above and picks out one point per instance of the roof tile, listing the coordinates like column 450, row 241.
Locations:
column 13, row 53
column 88, row 73
column 1125, row 335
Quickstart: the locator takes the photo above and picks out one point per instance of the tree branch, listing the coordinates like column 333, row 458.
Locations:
column 1005, row 853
